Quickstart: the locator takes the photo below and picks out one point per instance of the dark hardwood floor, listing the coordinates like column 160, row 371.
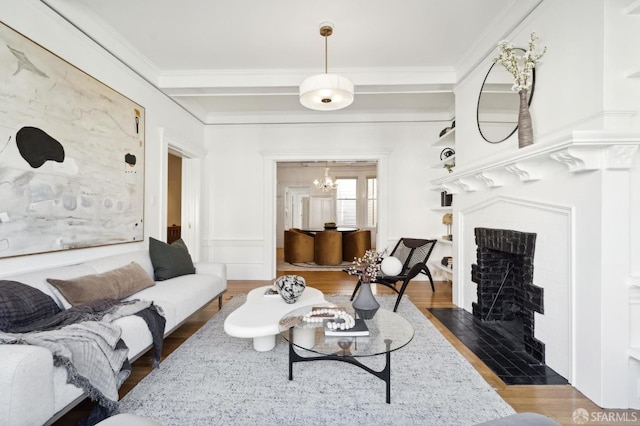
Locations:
column 555, row 401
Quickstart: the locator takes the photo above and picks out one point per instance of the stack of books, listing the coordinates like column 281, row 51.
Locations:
column 271, row 291
column 359, row 329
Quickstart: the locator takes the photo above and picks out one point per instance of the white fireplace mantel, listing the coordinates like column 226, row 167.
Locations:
column 579, row 151
column 586, row 254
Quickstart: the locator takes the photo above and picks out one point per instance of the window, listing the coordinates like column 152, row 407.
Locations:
column 346, row 202
column 372, row 202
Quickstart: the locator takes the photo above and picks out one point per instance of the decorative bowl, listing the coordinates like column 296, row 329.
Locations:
column 290, row 287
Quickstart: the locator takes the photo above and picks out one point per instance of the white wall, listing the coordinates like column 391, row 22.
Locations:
column 621, row 93
column 240, row 231
column 36, row 21
column 569, row 82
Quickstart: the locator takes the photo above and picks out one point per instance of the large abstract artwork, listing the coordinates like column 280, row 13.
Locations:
column 71, row 155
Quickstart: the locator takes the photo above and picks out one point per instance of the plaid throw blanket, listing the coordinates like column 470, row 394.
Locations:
column 84, row 341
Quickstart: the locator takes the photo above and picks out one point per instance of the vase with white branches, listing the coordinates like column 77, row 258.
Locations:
column 366, row 268
column 521, row 68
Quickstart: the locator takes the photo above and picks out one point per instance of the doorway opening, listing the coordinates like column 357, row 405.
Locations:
column 296, row 207
column 303, row 205
column 174, row 197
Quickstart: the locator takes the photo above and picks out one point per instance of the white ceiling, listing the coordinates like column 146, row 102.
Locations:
column 242, row 61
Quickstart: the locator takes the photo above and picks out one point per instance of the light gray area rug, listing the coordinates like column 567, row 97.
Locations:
column 216, row 379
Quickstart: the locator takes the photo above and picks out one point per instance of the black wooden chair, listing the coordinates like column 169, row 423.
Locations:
column 414, row 254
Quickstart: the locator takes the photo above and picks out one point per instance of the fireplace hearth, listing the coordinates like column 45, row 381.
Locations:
column 506, row 295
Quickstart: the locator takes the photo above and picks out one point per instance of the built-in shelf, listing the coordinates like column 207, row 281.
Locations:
column 446, row 140
column 579, row 151
column 634, row 282
column 441, row 267
column 449, row 160
column 635, row 353
column 634, row 74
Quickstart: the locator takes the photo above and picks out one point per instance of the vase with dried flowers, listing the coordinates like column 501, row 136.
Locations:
column 521, row 68
column 367, row 269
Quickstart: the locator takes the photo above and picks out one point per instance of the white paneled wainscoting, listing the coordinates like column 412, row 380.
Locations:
column 245, row 258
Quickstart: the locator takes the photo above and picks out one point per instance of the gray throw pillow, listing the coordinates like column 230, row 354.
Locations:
column 170, row 260
column 21, row 304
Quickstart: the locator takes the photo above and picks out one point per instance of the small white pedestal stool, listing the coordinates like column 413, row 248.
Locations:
column 258, row 317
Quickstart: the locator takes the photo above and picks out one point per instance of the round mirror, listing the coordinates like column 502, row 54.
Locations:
column 498, row 105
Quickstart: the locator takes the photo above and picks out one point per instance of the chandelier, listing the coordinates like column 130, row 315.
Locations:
column 326, row 92
column 326, row 184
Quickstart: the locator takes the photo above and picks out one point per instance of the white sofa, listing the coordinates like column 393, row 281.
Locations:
column 34, row 392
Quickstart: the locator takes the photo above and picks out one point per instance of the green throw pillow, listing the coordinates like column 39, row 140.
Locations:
column 170, row 260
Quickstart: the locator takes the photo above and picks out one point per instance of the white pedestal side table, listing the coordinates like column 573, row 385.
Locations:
column 258, row 317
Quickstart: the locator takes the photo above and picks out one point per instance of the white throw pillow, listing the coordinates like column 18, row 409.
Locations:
column 391, row 265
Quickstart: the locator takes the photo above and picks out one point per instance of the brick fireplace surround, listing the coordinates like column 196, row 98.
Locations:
column 504, row 275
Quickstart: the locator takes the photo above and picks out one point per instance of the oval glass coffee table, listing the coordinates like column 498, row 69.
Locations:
column 388, row 332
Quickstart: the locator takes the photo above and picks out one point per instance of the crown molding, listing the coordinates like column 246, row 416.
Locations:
column 98, row 30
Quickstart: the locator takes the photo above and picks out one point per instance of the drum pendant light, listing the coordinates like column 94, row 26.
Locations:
column 326, row 92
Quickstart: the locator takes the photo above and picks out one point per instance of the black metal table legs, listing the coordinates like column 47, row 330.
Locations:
column 345, row 356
